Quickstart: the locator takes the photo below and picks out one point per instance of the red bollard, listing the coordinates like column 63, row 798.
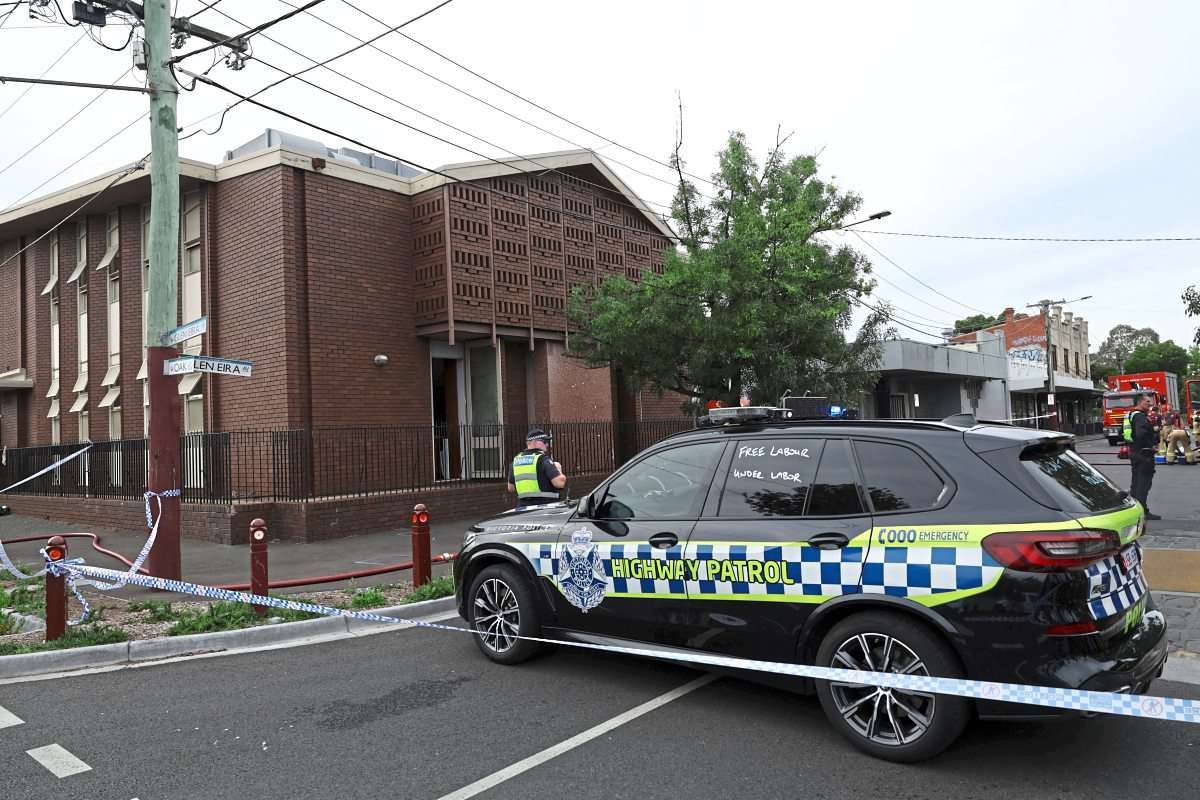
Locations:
column 422, row 568
column 259, row 583
column 56, row 591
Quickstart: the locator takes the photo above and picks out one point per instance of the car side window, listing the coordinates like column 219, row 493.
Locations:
column 835, row 490
column 897, row 479
column 770, row 477
column 669, row 484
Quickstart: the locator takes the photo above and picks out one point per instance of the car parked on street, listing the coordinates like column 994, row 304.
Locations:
column 949, row 548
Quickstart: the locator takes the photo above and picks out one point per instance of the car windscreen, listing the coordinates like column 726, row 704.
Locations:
column 1077, row 486
column 1118, row 402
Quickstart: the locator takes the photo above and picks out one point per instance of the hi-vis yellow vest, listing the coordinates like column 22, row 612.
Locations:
column 1127, row 427
column 525, row 478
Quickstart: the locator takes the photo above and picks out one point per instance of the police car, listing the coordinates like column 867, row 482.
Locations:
column 951, row 548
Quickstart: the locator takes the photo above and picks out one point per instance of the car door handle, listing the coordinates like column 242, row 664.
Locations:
column 664, row 540
column 829, row 541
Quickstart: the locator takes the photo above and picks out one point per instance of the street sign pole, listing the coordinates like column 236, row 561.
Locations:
column 165, row 560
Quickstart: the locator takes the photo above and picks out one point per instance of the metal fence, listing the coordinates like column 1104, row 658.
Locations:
column 280, row 465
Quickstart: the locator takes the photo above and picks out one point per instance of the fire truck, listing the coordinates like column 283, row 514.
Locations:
column 1123, row 391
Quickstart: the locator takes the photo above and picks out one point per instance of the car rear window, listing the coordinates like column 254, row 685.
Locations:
column 1076, row 485
column 897, row 478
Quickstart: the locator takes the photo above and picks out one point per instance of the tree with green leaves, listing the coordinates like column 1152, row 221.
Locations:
column 1166, row 356
column 1101, row 369
column 753, row 301
column 976, row 322
column 1121, row 342
column 1191, row 302
column 1193, row 369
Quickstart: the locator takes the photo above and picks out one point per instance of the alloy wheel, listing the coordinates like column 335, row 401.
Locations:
column 886, row 716
column 497, row 615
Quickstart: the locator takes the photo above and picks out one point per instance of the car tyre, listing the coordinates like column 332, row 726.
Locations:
column 891, row 724
column 501, row 606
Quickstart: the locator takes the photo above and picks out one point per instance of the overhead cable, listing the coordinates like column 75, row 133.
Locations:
column 45, row 72
column 1060, row 239
column 524, row 99
column 888, row 259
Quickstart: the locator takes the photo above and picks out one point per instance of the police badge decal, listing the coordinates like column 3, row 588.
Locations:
column 581, row 573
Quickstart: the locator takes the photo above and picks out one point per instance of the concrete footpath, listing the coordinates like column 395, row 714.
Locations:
column 212, row 563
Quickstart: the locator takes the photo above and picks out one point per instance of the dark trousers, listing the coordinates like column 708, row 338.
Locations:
column 1142, row 463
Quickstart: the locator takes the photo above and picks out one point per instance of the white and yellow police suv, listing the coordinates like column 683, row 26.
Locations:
column 949, row 548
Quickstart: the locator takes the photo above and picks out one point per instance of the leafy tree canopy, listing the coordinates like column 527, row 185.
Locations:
column 1193, row 369
column 976, row 322
column 1191, row 301
column 1101, row 369
column 1121, row 342
column 752, row 301
column 1159, row 356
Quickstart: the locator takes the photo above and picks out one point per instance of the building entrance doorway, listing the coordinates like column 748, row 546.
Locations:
column 467, row 413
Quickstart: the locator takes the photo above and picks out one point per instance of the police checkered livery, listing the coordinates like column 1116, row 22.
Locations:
column 1114, row 587
column 919, row 571
column 811, row 572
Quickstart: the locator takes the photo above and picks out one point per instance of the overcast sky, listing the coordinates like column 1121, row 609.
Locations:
column 1020, row 119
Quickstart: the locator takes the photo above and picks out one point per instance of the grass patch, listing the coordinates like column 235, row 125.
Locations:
column 27, row 596
column 155, row 610
column 368, row 598
column 82, row 636
column 228, row 616
column 438, row 587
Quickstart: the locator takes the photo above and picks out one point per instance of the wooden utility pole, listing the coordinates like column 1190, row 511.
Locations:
column 164, row 474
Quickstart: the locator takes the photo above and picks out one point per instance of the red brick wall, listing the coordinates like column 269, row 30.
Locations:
column 37, row 337
column 10, row 307
column 360, row 279
column 97, row 326
column 251, row 300
column 303, row 522
column 68, row 344
column 576, row 393
column 653, row 406
column 131, row 323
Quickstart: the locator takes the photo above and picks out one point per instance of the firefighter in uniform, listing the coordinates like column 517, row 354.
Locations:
column 1139, row 433
column 533, row 475
column 1179, row 444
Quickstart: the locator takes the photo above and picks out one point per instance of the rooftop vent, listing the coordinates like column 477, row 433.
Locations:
column 276, row 138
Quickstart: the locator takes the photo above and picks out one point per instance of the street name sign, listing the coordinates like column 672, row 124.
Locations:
column 196, row 327
column 217, row 366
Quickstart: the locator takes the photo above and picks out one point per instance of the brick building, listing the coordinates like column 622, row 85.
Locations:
column 365, row 294
column 1025, row 341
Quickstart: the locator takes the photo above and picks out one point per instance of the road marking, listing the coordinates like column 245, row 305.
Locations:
column 526, row 764
column 9, row 719
column 382, row 627
column 58, row 760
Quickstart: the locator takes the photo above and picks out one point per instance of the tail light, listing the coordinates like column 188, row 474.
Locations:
column 1049, row 551
column 1072, row 629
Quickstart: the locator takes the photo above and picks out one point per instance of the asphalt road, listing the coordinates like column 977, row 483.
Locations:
column 421, row 714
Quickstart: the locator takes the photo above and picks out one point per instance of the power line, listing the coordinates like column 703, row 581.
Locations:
column 250, row 99
column 888, row 259
column 490, row 105
column 891, row 318
column 245, row 35
column 536, row 105
column 46, row 72
column 424, row 114
column 74, row 163
column 900, row 288
column 65, row 123
column 129, row 171
column 1064, row 239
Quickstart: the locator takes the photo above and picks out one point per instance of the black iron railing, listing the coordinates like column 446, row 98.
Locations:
column 282, row 465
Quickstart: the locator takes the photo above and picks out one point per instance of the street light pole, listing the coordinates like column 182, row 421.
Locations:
column 876, row 216
column 1044, row 305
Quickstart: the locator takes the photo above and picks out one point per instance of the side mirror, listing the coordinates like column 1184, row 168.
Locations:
column 588, row 506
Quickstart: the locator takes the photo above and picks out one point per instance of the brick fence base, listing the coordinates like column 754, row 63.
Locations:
column 299, row 521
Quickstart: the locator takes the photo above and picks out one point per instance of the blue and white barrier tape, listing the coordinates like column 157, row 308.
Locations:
column 5, row 561
column 1148, row 707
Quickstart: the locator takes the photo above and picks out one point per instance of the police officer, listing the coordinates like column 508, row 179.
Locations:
column 1139, row 433
column 533, row 475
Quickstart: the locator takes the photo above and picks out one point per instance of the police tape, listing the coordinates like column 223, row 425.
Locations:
column 1082, row 700
column 5, row 561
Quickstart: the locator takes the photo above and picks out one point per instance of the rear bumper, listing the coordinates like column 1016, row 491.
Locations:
column 1128, row 668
